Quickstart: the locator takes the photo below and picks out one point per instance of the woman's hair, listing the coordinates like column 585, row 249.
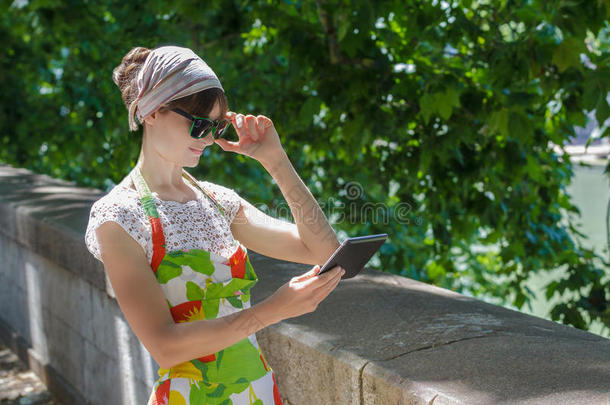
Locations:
column 125, row 77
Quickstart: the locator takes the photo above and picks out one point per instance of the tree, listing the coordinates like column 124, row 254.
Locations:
column 437, row 117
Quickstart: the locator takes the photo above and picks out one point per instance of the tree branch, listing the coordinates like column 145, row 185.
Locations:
column 331, row 35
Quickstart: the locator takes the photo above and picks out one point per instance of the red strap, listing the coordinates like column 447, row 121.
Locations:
column 158, row 243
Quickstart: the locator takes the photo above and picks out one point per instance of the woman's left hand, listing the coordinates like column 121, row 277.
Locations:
column 257, row 137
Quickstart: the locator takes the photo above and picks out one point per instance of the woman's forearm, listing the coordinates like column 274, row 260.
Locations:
column 190, row 340
column 314, row 229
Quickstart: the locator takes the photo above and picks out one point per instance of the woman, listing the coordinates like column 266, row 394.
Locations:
column 192, row 311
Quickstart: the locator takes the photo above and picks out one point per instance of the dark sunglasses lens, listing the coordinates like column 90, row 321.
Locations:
column 199, row 128
column 220, row 129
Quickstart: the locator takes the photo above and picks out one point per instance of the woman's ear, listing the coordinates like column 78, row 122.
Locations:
column 152, row 118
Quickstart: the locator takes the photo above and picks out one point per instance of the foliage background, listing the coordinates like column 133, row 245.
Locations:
column 436, row 118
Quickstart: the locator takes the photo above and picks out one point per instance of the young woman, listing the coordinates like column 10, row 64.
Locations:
column 175, row 248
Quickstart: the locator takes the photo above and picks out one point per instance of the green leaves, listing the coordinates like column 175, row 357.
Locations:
column 427, row 103
column 435, row 271
column 441, row 103
column 567, row 54
column 602, row 109
column 310, row 107
column 498, row 122
column 453, row 106
column 519, row 125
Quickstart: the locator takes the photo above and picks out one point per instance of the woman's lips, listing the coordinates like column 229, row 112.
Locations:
column 197, row 151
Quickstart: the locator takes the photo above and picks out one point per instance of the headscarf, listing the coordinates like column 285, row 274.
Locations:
column 168, row 73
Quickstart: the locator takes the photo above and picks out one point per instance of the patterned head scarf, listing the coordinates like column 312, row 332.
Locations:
column 169, row 72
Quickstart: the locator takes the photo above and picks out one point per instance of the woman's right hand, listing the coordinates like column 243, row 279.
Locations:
column 303, row 293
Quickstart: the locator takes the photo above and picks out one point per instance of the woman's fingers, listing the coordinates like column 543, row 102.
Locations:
column 303, row 293
column 251, row 126
column 242, row 126
column 254, row 125
column 263, row 122
column 327, row 277
column 238, row 119
column 314, row 271
column 321, row 293
column 226, row 145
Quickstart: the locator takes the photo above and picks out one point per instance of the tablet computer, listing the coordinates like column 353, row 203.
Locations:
column 354, row 253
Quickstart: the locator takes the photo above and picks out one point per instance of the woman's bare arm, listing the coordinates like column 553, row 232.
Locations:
column 143, row 303
column 311, row 235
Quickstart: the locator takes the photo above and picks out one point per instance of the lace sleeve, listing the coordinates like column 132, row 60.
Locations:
column 120, row 210
column 226, row 197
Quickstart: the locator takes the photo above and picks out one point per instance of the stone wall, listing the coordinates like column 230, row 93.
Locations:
column 377, row 339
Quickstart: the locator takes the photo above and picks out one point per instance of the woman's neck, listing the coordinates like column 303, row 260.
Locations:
column 167, row 183
column 160, row 174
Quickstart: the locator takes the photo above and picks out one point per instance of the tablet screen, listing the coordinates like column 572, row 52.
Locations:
column 354, row 253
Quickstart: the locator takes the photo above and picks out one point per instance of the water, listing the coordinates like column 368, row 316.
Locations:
column 590, row 192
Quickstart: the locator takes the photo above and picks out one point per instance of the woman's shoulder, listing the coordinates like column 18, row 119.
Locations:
column 122, row 206
column 228, row 198
column 118, row 195
column 216, row 188
column 121, row 200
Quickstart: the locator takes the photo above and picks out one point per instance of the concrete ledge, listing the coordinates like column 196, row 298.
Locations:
column 407, row 342
column 377, row 339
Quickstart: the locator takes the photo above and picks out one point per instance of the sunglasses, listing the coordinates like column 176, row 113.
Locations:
column 202, row 126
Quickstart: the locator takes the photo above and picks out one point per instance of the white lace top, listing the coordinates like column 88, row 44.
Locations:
column 196, row 224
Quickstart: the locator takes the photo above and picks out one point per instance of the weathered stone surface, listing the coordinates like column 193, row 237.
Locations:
column 303, row 360
column 496, row 369
column 376, row 339
column 393, row 324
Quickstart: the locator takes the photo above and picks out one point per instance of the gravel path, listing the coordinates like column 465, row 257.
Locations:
column 18, row 384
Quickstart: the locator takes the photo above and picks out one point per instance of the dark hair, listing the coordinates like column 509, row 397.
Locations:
column 199, row 104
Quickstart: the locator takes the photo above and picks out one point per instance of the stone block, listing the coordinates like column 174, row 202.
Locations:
column 66, row 350
column 103, row 318
column 494, row 369
column 102, row 381
column 308, row 369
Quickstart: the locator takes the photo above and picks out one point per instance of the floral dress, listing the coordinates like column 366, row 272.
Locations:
column 200, row 284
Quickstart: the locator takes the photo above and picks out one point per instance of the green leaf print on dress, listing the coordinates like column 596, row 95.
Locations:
column 233, row 367
column 197, row 259
column 235, row 301
column 230, row 368
column 167, row 271
column 210, row 308
column 193, row 291
column 202, row 285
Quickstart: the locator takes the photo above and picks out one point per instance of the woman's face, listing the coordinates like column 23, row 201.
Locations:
column 172, row 142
